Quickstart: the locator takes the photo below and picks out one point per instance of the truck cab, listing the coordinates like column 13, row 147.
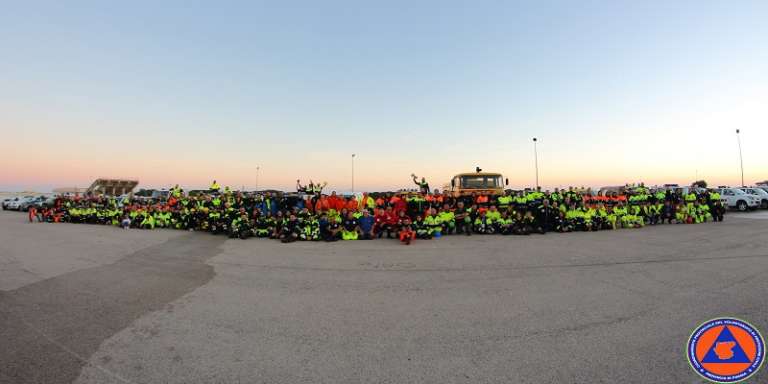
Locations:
column 488, row 183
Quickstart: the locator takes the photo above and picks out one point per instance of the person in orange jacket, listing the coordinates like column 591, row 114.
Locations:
column 322, row 205
column 405, row 228
column 351, row 204
column 335, row 202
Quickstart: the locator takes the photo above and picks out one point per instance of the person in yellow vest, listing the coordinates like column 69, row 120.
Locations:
column 370, row 202
column 504, row 201
column 176, row 191
column 434, row 223
column 215, row 187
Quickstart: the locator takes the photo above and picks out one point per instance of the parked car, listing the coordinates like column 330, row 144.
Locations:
column 686, row 190
column 161, row 194
column 28, row 203
column 44, row 202
column 15, row 204
column 760, row 193
column 8, row 201
column 152, row 194
column 735, row 198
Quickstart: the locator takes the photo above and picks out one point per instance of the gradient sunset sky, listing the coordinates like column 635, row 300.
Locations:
column 185, row 91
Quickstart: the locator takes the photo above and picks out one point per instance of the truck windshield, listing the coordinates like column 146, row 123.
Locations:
column 480, row 182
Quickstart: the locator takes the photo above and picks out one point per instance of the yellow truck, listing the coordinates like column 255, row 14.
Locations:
column 487, row 183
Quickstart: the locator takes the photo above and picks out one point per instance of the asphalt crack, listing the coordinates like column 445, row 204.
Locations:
column 50, row 329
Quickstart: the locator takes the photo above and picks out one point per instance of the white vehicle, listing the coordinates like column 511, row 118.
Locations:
column 36, row 202
column 682, row 191
column 760, row 193
column 15, row 204
column 8, row 201
column 738, row 199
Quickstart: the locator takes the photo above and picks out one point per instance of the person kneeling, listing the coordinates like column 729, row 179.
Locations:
column 330, row 228
column 126, row 222
column 406, row 233
column 366, row 223
column 421, row 228
column 290, row 230
column 350, row 228
column 483, row 225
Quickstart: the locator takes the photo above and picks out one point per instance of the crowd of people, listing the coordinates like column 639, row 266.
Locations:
column 311, row 215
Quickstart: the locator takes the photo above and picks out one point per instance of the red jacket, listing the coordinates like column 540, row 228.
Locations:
column 400, row 205
column 382, row 219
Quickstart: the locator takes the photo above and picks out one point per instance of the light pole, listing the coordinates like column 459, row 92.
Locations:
column 353, row 173
column 257, row 177
column 741, row 160
column 536, row 161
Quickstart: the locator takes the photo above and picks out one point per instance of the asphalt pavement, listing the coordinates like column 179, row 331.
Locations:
column 92, row 304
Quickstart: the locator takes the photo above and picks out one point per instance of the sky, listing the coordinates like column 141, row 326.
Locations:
column 185, row 92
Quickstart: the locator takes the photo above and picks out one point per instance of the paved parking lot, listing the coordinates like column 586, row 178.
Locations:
column 92, row 304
